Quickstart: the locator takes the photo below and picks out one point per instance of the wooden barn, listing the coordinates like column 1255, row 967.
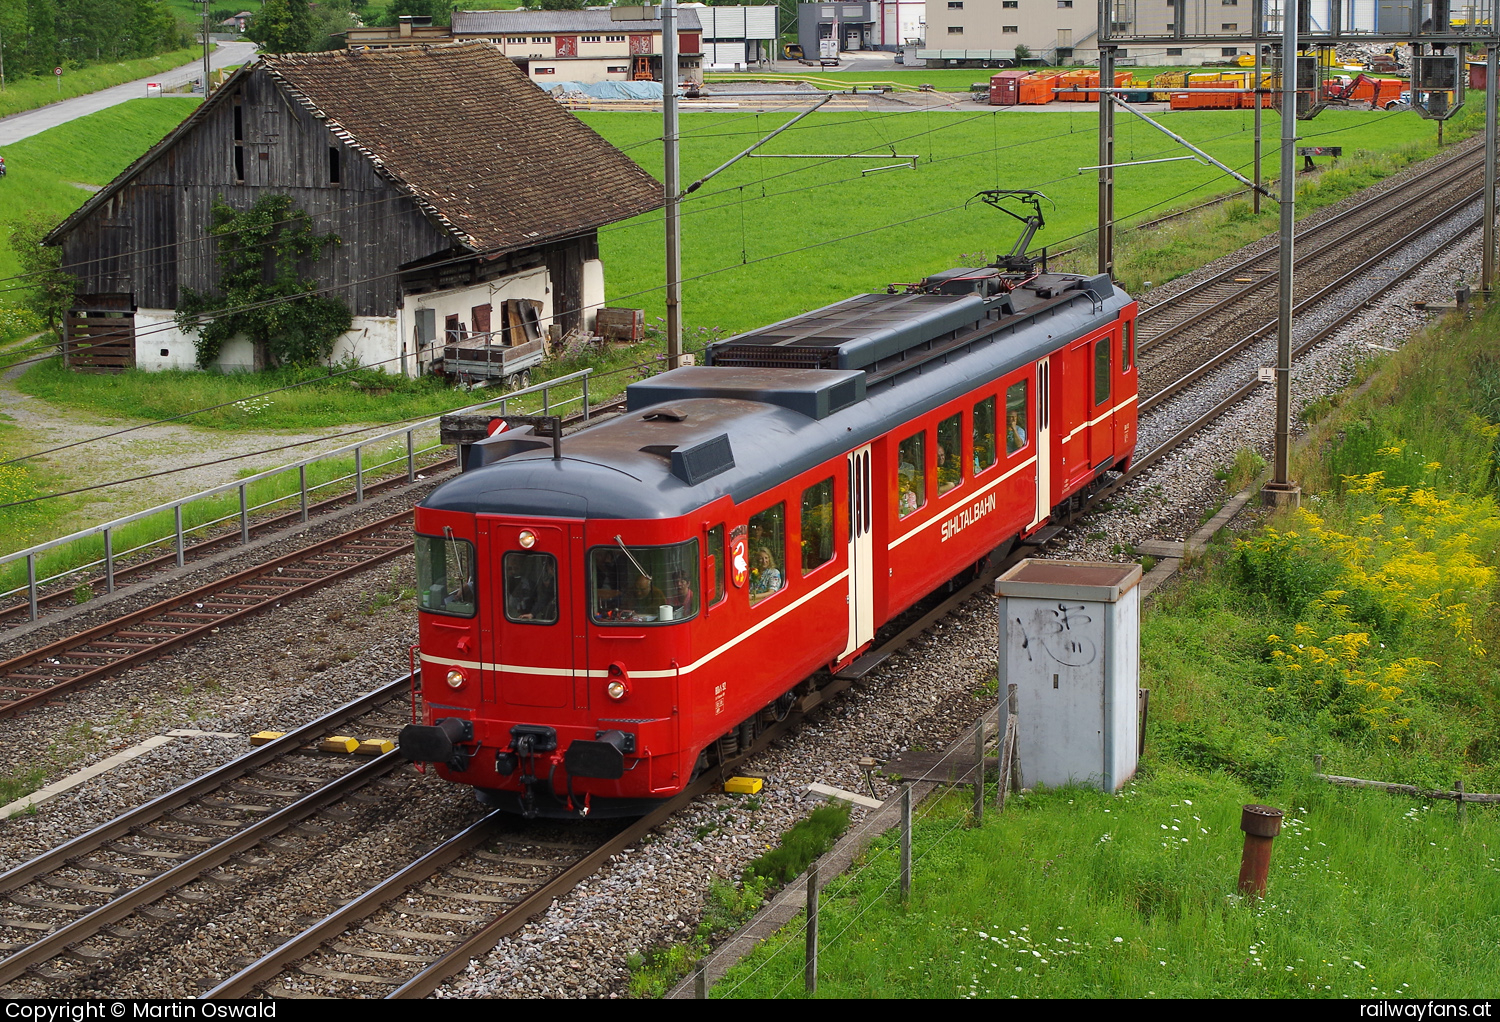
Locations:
column 453, row 183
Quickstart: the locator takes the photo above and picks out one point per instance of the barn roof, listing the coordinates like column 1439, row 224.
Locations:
column 458, row 127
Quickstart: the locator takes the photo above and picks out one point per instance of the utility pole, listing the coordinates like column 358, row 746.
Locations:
column 1280, row 489
column 205, row 4
column 2, row 58
column 671, row 183
column 1106, row 262
column 1487, row 271
column 1258, row 19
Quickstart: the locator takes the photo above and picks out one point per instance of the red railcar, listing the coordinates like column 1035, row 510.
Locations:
column 598, row 618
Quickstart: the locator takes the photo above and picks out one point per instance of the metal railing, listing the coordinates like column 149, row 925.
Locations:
column 241, row 486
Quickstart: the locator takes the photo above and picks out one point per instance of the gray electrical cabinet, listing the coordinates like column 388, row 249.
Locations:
column 1070, row 643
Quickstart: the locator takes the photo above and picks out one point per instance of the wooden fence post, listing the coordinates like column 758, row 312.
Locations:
column 979, row 773
column 906, row 844
column 810, row 970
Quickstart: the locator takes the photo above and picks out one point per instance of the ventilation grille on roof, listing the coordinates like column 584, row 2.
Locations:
column 772, row 356
column 703, row 461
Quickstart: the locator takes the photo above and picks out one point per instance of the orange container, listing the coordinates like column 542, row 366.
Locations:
column 1036, row 89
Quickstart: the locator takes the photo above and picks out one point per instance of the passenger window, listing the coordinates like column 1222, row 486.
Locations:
column 1127, row 346
column 530, row 588
column 767, row 552
column 984, row 435
column 445, row 575
column 716, row 561
column 643, row 584
column 950, row 454
column 1017, row 415
column 1101, row 370
column 817, row 525
column 911, row 474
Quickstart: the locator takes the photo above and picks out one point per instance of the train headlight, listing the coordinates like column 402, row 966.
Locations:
column 528, row 538
column 456, row 679
column 616, row 689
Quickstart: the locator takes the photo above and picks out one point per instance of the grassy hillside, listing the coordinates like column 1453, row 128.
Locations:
column 771, row 238
column 45, row 172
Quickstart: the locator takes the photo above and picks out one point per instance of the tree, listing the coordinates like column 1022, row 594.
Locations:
column 261, row 292
column 47, row 290
column 282, row 26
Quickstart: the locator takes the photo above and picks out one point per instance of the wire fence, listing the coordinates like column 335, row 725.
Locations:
column 339, row 471
column 952, row 762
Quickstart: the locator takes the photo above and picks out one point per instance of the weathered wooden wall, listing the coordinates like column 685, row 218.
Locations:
column 152, row 238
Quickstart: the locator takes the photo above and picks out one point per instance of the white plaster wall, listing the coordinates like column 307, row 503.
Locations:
column 535, row 284
column 374, row 341
column 160, row 345
column 593, row 290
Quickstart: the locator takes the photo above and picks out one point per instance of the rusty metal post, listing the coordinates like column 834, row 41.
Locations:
column 1261, row 824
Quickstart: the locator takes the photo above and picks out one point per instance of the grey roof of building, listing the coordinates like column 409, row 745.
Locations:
column 606, row 471
column 500, row 22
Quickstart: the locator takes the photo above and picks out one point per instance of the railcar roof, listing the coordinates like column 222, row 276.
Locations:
column 608, row 472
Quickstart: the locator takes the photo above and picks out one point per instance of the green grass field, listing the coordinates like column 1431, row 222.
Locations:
column 772, row 238
column 44, row 172
column 30, row 93
column 1358, row 629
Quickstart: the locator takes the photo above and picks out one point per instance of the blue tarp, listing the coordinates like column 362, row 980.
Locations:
column 608, row 90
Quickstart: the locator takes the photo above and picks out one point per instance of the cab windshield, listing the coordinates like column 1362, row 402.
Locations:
column 445, row 575
column 643, row 584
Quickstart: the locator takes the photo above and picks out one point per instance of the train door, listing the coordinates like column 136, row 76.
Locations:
column 537, row 649
column 1043, row 441
column 861, row 553
column 1102, row 421
column 1072, row 402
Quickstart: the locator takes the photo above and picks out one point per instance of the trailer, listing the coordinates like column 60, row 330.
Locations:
column 486, row 357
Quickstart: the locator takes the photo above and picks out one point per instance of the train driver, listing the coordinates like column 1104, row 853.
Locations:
column 643, row 597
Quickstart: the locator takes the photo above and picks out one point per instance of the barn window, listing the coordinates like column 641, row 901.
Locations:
column 767, row 552
column 985, row 455
column 530, row 588
column 1017, row 415
column 950, row 454
column 911, row 474
column 334, row 170
column 817, row 525
column 239, row 163
column 1101, row 370
column 955, row 30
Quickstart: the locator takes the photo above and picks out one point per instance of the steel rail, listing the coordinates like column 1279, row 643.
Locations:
column 1179, row 438
column 1260, row 332
column 190, row 869
column 236, row 768
column 1174, row 303
column 99, row 635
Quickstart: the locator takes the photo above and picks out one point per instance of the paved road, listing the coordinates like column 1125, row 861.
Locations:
column 32, row 122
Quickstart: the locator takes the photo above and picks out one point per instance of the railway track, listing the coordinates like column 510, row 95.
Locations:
column 1249, row 285
column 105, row 649
column 58, row 908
